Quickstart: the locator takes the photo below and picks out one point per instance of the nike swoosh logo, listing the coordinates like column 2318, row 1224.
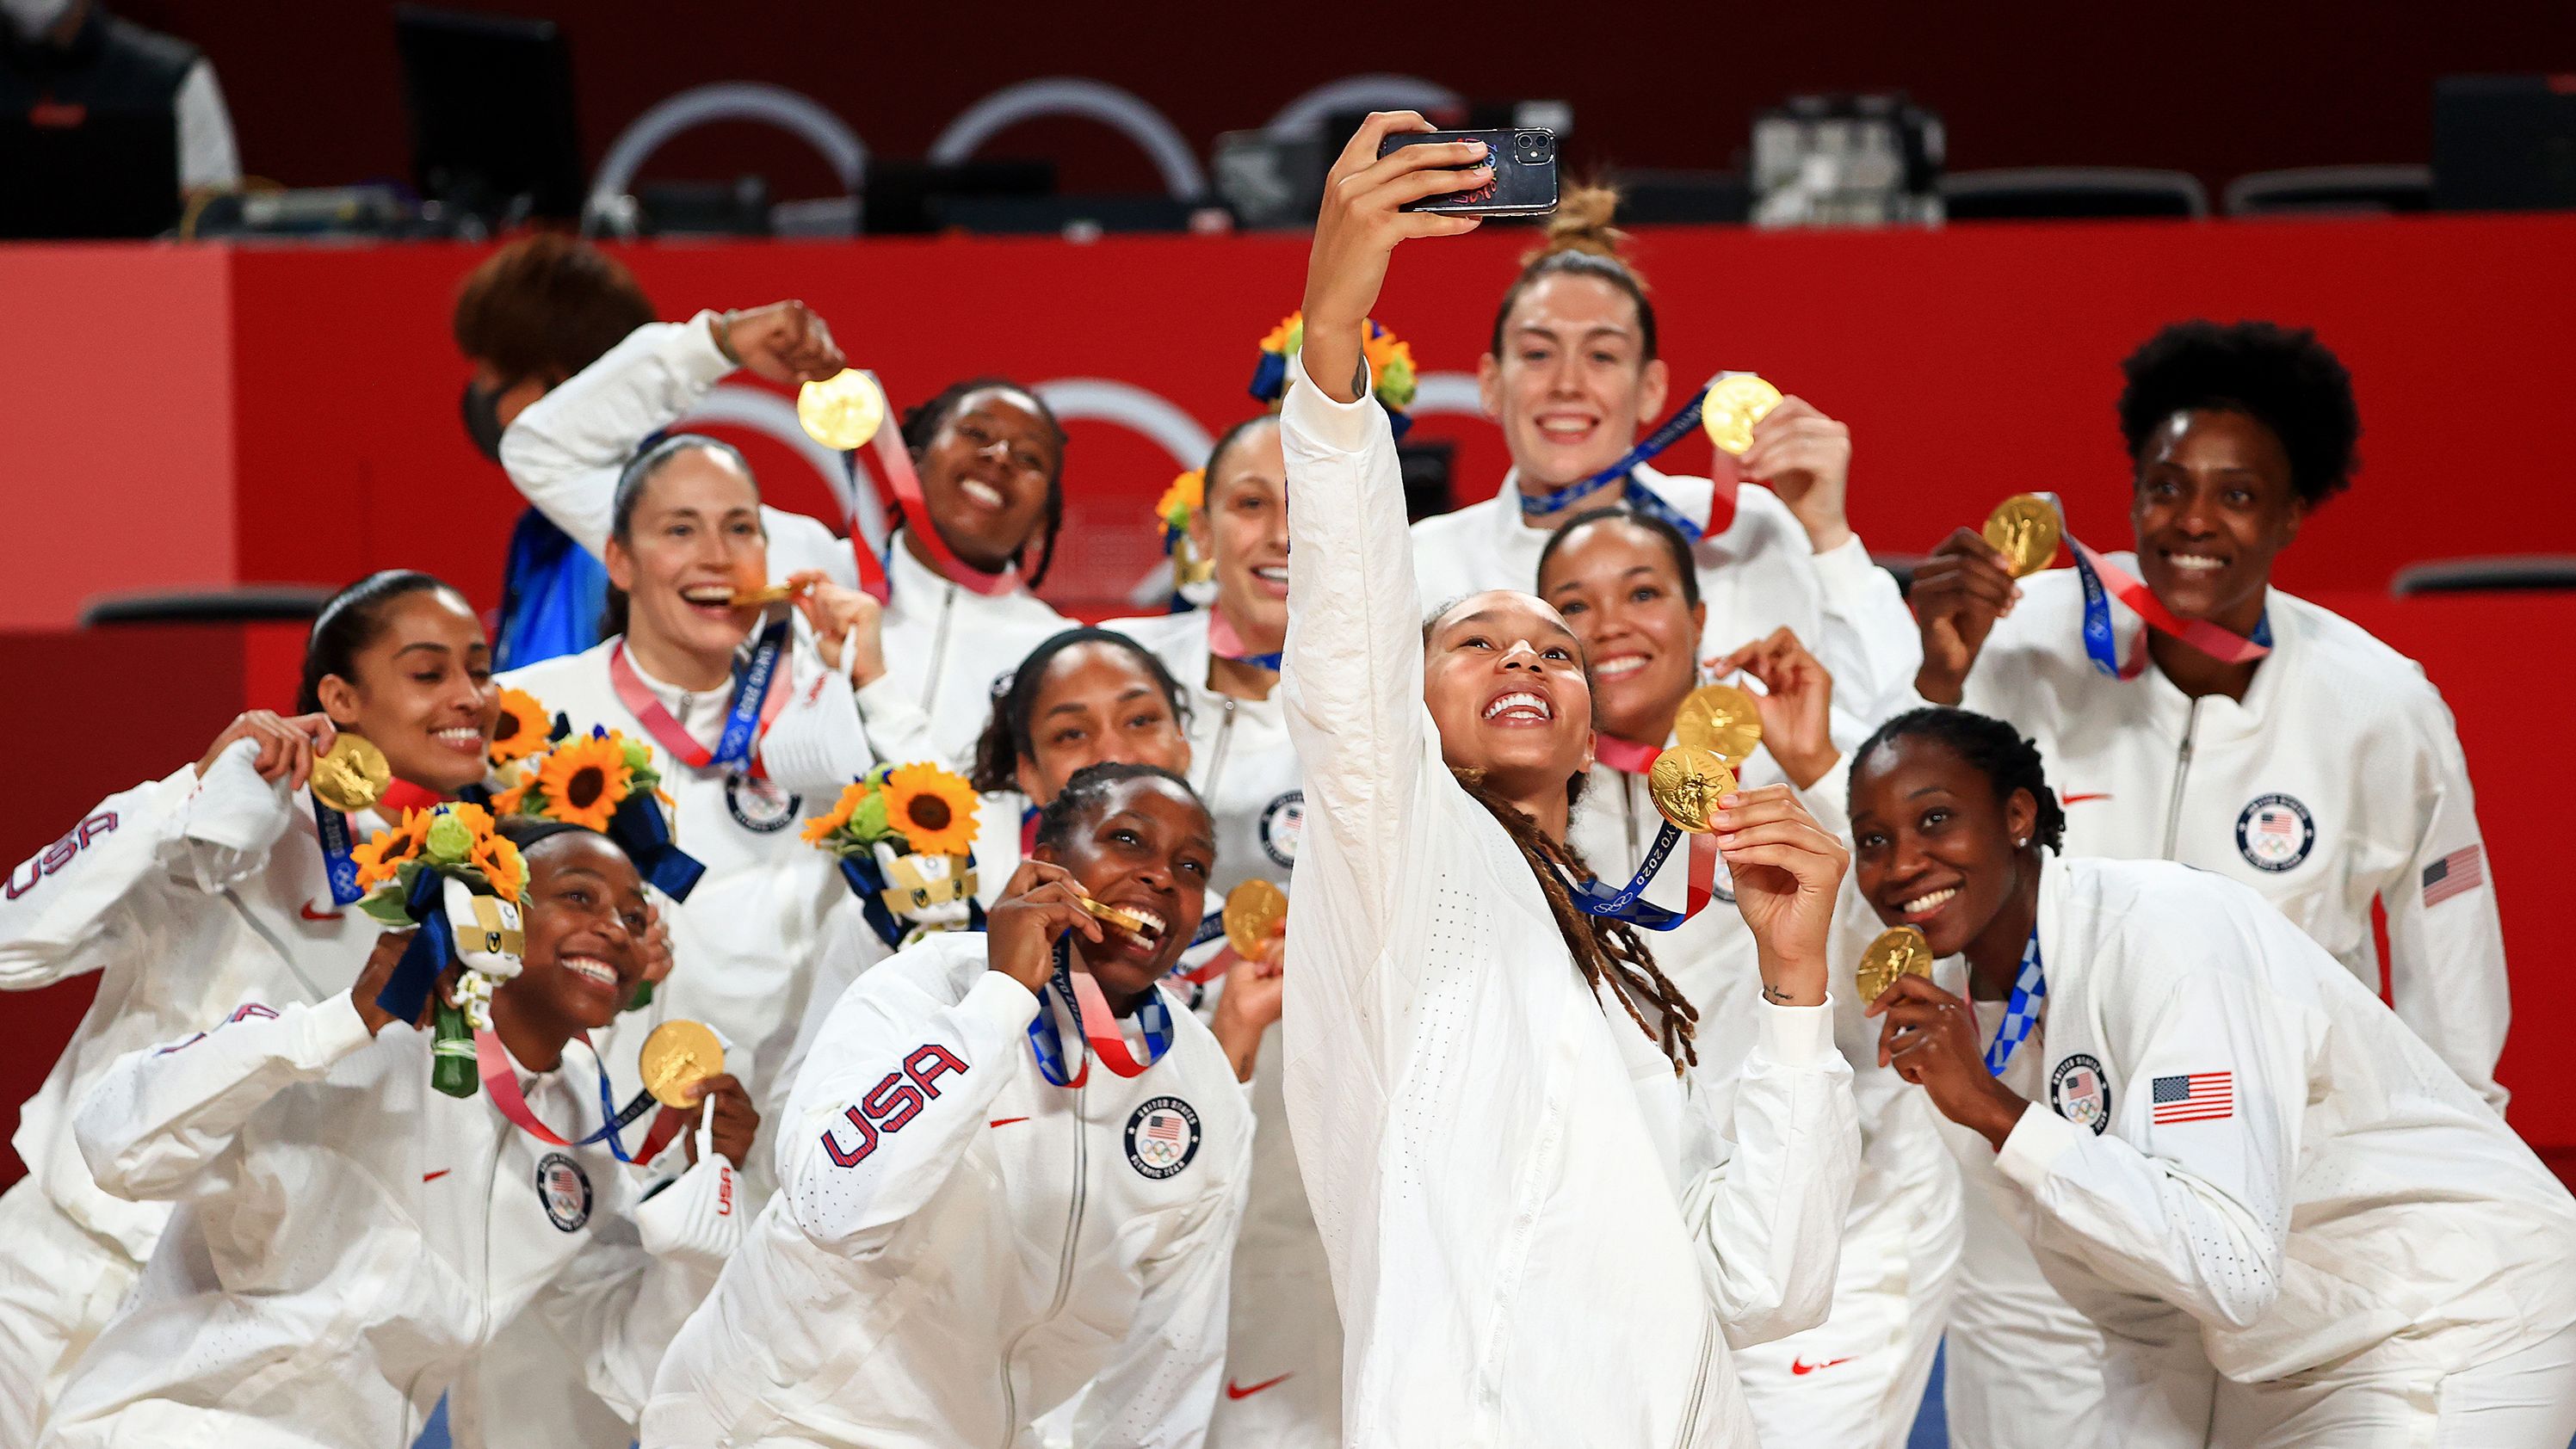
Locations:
column 435, row 1176
column 2080, row 799
column 1801, row 1366
column 1233, row 1392
column 311, row 914
column 1005, row 1121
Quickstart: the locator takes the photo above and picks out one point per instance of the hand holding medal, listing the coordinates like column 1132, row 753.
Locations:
column 1901, row 951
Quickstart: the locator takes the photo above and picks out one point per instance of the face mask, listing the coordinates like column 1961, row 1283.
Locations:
column 32, row 18
column 697, row 1221
column 480, row 407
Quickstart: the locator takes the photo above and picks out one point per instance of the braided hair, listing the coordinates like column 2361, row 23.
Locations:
column 922, row 423
column 1083, row 795
column 1989, row 746
column 1604, row 950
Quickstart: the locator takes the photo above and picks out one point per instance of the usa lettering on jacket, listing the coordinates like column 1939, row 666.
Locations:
column 54, row 857
column 893, row 1101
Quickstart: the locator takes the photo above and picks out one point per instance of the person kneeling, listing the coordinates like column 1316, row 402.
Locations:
column 977, row 1221
column 348, row 1237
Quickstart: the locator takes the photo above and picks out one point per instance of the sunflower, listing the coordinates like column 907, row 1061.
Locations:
column 521, row 729
column 934, row 810
column 501, row 865
column 1187, row 495
column 511, row 801
column 820, row 828
column 584, row 781
column 387, row 849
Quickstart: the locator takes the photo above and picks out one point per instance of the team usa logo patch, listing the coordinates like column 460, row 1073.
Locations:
column 2275, row 833
column 759, row 805
column 1281, row 824
column 1162, row 1137
column 2080, row 1094
column 565, row 1190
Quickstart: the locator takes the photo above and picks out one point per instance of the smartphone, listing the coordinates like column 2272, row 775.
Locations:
column 1524, row 161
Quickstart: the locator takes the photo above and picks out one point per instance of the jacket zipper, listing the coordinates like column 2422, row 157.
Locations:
column 1699, row 1389
column 1063, row 1270
column 938, row 647
column 1216, row 757
column 2182, row 772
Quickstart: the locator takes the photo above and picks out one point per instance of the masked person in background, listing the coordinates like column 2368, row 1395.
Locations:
column 961, row 601
column 1284, row 1344
column 225, row 881
column 1538, row 1229
column 1575, row 373
column 1010, row 1176
column 527, row 317
column 2291, row 1223
column 346, row 1235
column 2313, row 762
column 1625, row 586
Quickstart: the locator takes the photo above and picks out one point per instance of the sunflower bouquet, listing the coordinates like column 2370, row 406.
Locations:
column 447, row 876
column 1390, row 361
column 905, row 835
column 1174, row 510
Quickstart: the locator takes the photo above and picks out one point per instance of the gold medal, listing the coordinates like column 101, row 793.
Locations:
column 2025, row 529
column 1686, row 784
column 768, row 594
column 1125, row 920
column 351, row 775
column 1900, row 952
column 1252, row 911
column 1720, row 719
column 843, row 411
column 1734, row 404
column 678, row 1056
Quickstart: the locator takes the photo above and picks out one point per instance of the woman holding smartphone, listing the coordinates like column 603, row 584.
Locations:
column 1538, row 1230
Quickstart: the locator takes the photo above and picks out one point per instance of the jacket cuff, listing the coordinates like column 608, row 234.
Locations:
column 1002, row 1001
column 2035, row 1143
column 1344, row 427
column 1845, row 566
column 1796, row 1036
column 1829, row 798
column 694, row 352
column 234, row 809
column 331, row 1030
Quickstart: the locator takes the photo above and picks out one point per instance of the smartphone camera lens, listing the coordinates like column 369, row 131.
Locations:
column 1533, row 148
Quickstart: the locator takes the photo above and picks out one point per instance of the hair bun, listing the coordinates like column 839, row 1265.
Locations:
column 1581, row 223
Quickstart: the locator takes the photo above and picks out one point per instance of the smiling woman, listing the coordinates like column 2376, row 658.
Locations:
column 1019, row 1162
column 1447, row 1048
column 2270, row 767
column 226, row 877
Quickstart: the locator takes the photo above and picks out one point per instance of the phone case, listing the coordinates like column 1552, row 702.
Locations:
column 1524, row 181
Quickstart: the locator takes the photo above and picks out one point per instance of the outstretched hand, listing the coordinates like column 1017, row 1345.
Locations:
column 1358, row 227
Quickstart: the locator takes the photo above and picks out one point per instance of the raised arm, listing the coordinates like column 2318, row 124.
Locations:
column 2446, row 973
column 897, row 1086
column 1353, row 666
column 565, row 451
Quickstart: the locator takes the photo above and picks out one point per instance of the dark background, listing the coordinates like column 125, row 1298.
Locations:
column 2216, row 89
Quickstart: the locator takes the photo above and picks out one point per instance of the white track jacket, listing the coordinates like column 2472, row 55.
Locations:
column 186, row 896
column 2338, row 780
column 1757, row 574
column 1539, row 1235
column 958, row 1246
column 944, row 646
column 2234, row 1129
column 347, row 1237
column 1283, row 1387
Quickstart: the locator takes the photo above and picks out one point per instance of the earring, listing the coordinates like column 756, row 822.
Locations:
column 2020, row 844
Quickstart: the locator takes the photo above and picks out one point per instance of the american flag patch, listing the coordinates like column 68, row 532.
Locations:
column 2459, row 872
column 1165, row 1126
column 2199, row 1097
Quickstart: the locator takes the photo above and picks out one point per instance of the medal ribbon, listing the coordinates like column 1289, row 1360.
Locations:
column 2021, row 1011
column 895, row 462
column 1211, row 926
column 1225, row 643
column 1098, row 1025
column 755, row 705
column 501, row 1079
column 2104, row 581
column 1637, row 496
column 1629, row 903
column 333, row 828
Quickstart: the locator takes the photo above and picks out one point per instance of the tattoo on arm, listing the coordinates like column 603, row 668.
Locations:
column 1774, row 994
